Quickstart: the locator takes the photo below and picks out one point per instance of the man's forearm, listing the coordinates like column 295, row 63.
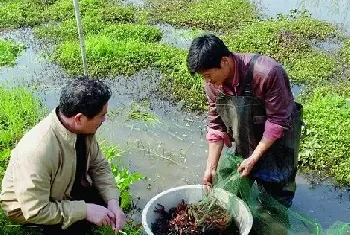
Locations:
column 262, row 147
column 214, row 154
column 248, row 164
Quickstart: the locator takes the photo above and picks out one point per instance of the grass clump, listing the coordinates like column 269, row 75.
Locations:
column 19, row 111
column 67, row 30
column 325, row 148
column 107, row 11
column 206, row 14
column 107, row 56
column 345, row 57
column 129, row 229
column 14, row 14
column 140, row 111
column 315, row 67
column 9, row 51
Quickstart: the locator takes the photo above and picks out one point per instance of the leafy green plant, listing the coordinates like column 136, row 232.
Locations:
column 20, row 13
column 19, row 111
column 123, row 177
column 325, row 147
column 289, row 39
column 139, row 111
column 312, row 68
column 206, row 14
column 129, row 229
column 107, row 56
column 67, row 30
column 345, row 55
column 104, row 10
column 9, row 51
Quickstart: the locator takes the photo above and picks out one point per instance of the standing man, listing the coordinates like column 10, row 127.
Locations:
column 250, row 103
column 57, row 177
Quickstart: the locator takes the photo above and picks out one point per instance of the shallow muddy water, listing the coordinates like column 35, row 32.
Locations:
column 171, row 151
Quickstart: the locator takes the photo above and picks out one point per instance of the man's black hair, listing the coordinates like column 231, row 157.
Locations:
column 205, row 53
column 84, row 95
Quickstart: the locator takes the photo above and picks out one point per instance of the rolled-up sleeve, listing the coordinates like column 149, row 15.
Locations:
column 279, row 103
column 216, row 129
column 101, row 174
column 32, row 180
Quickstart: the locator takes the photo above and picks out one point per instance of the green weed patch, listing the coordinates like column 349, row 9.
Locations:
column 325, row 148
column 345, row 55
column 9, row 51
column 206, row 14
column 14, row 14
column 107, row 56
column 67, row 30
column 289, row 39
column 19, row 111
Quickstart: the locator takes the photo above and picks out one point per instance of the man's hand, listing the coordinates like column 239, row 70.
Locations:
column 99, row 215
column 208, row 177
column 214, row 153
column 246, row 166
column 119, row 216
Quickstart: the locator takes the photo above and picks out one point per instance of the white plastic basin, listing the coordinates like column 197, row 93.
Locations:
column 192, row 194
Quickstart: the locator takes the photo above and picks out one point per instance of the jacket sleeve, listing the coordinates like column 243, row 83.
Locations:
column 32, row 181
column 279, row 103
column 216, row 129
column 101, row 174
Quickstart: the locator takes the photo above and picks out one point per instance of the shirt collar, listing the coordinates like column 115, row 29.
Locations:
column 233, row 82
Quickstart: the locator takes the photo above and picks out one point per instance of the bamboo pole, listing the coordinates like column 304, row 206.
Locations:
column 81, row 35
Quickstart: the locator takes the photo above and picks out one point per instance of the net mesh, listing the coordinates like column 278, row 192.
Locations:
column 269, row 216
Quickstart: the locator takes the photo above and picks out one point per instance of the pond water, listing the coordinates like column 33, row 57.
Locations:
column 171, row 151
column 332, row 11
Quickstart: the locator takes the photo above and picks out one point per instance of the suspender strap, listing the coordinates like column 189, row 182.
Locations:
column 247, row 90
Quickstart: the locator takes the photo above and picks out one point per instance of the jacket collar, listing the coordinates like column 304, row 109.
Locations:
column 61, row 131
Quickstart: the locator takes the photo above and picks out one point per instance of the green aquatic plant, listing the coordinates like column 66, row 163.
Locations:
column 19, row 111
column 67, row 30
column 290, row 39
column 129, row 229
column 140, row 111
column 344, row 54
column 122, row 175
column 107, row 56
column 206, row 14
column 14, row 14
column 9, row 51
column 325, row 147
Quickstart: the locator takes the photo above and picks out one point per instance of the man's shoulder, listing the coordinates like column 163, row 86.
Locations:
column 40, row 138
column 264, row 64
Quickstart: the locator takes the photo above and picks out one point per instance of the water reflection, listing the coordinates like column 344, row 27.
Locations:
column 332, row 11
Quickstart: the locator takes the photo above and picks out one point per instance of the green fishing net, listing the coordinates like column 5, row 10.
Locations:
column 269, row 216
